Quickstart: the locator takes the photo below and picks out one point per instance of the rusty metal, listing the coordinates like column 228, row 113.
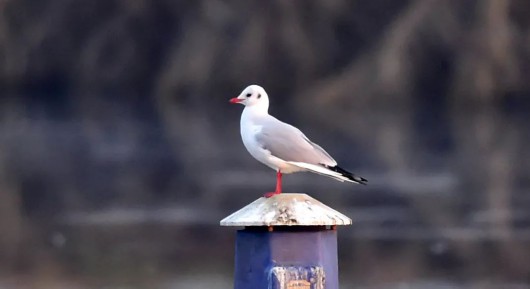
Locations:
column 298, row 277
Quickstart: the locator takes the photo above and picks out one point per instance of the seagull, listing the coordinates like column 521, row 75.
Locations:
column 281, row 146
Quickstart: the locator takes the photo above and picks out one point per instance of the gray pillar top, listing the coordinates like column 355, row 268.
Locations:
column 286, row 210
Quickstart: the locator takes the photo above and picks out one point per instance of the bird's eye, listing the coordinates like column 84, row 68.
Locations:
column 248, row 95
column 259, row 95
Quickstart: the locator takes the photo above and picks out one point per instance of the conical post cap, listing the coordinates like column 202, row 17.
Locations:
column 286, row 210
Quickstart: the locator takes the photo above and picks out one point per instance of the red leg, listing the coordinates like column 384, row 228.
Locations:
column 278, row 182
column 278, row 185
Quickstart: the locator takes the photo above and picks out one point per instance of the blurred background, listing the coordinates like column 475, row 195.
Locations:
column 119, row 151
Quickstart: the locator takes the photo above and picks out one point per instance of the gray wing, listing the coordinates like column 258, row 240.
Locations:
column 290, row 144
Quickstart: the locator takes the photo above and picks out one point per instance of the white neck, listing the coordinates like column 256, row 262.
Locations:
column 251, row 114
column 258, row 108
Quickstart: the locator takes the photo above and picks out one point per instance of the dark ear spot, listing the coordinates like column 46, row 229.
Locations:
column 259, row 95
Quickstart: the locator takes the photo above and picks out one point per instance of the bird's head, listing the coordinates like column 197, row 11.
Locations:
column 253, row 95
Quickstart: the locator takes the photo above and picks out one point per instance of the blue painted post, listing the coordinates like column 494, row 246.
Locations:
column 288, row 241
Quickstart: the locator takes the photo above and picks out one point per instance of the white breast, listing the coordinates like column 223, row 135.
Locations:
column 248, row 134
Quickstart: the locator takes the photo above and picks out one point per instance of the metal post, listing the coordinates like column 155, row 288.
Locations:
column 288, row 241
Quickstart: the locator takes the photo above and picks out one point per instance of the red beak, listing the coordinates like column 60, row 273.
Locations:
column 235, row 100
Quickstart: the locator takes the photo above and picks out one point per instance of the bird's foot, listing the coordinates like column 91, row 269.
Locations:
column 268, row 195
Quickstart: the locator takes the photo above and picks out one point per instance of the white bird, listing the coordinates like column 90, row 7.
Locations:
column 281, row 146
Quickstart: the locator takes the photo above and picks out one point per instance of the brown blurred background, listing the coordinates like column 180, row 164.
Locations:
column 119, row 152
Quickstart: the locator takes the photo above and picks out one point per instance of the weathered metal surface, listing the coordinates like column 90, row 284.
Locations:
column 286, row 260
column 286, row 210
column 297, row 277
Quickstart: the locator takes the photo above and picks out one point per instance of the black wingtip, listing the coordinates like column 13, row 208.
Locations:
column 350, row 176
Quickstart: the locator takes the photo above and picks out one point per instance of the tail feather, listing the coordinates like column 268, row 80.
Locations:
column 350, row 176
column 335, row 172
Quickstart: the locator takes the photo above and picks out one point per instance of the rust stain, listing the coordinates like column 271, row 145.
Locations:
column 298, row 284
column 298, row 277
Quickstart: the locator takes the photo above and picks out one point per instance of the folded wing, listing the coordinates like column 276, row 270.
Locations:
column 288, row 143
